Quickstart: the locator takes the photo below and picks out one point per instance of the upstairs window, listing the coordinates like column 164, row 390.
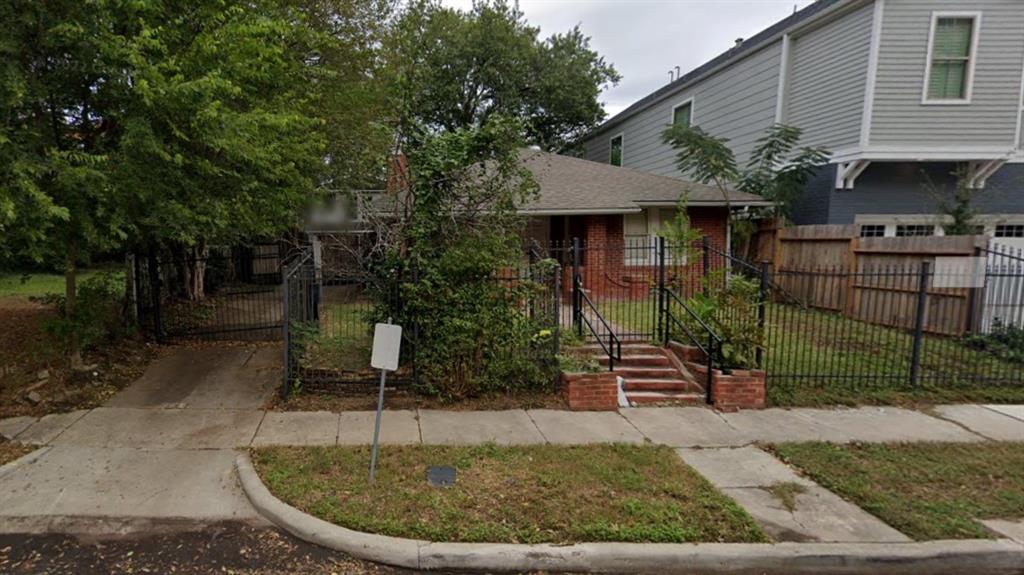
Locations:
column 682, row 115
column 916, row 230
column 872, row 231
column 1010, row 231
column 951, row 58
column 615, row 155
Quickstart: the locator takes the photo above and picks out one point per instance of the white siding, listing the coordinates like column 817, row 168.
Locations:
column 990, row 119
column 737, row 103
column 829, row 69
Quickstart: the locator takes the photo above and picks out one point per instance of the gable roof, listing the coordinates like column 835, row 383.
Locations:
column 576, row 186
column 749, row 45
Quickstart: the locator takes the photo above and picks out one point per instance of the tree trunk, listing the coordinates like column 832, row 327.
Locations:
column 194, row 272
column 70, row 302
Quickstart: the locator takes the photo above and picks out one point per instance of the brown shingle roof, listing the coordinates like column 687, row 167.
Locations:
column 574, row 185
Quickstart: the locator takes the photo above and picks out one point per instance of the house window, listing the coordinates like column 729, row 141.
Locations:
column 636, row 239
column 872, row 231
column 951, row 58
column 917, row 230
column 1010, row 231
column 682, row 114
column 615, row 157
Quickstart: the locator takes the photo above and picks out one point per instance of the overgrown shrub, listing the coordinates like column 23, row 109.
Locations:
column 1004, row 341
column 98, row 312
column 728, row 305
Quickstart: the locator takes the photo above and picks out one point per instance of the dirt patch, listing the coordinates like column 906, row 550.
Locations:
column 222, row 548
column 9, row 450
column 405, row 399
column 34, row 378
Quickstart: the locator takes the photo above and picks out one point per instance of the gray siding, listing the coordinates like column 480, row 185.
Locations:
column 899, row 188
column 812, row 207
column 737, row 103
column 991, row 118
column 829, row 67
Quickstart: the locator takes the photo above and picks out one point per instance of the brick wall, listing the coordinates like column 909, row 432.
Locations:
column 733, row 391
column 604, row 270
column 591, row 391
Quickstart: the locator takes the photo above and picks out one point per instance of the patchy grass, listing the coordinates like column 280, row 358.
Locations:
column 10, row 450
column 533, row 494
column 926, row 490
column 786, row 493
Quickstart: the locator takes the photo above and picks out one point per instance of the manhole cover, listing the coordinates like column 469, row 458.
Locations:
column 441, row 476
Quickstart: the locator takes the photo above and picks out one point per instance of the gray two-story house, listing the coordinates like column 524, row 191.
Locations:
column 893, row 89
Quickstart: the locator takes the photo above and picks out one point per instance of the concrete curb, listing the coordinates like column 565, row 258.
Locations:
column 30, row 457
column 934, row 557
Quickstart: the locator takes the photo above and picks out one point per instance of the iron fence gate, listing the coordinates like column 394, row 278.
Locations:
column 223, row 293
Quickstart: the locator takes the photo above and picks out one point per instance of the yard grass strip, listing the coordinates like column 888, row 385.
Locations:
column 528, row 494
column 928, row 491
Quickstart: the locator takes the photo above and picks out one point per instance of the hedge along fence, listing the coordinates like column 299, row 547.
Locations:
column 495, row 333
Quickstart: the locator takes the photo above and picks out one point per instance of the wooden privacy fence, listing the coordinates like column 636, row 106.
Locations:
column 879, row 280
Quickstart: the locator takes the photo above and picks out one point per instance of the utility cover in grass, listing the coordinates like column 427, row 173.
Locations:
column 530, row 494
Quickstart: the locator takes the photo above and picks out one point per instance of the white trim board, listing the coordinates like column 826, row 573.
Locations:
column 868, row 112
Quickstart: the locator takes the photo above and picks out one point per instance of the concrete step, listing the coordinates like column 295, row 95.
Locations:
column 659, row 384
column 651, row 360
column 627, row 349
column 652, row 397
column 645, row 372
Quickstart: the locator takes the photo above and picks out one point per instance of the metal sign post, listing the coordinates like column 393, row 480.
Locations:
column 387, row 343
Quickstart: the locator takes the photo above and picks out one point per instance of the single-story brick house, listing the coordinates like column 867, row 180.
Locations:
column 605, row 205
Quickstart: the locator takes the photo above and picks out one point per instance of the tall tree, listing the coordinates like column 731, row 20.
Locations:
column 455, row 69
column 177, row 122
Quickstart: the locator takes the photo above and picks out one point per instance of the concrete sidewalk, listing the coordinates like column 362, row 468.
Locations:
column 120, row 464
column 152, row 428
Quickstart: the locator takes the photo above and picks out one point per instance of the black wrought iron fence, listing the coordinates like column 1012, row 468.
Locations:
column 334, row 298
column 222, row 293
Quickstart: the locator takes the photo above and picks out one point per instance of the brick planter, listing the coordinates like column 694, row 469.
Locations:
column 730, row 391
column 597, row 391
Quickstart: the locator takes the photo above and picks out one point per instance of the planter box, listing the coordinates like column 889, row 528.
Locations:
column 598, row 391
column 730, row 391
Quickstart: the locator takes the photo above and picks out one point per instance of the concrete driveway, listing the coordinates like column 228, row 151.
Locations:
column 163, row 449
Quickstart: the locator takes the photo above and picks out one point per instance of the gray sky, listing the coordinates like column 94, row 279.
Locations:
column 645, row 38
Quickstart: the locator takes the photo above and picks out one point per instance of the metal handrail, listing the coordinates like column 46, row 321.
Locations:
column 614, row 348
column 711, row 351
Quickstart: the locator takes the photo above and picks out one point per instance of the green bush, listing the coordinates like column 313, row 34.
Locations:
column 97, row 317
column 1004, row 341
column 729, row 307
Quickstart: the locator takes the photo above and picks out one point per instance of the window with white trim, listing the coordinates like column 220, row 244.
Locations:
column 914, row 230
column 872, row 231
column 682, row 115
column 1010, row 231
column 636, row 238
column 615, row 151
column 951, row 58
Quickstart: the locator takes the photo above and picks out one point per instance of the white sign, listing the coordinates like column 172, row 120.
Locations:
column 387, row 343
column 959, row 272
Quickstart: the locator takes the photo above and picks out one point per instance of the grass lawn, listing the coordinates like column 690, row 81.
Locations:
column 533, row 494
column 32, row 284
column 926, row 490
column 344, row 339
column 816, row 357
column 9, row 451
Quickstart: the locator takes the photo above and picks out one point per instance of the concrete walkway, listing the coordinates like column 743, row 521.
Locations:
column 158, row 451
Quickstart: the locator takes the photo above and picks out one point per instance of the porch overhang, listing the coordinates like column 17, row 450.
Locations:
column 980, row 163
